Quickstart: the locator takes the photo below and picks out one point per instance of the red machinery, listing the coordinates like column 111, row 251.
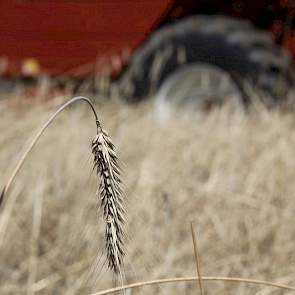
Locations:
column 60, row 37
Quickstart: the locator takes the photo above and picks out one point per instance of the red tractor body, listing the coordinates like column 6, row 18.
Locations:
column 72, row 37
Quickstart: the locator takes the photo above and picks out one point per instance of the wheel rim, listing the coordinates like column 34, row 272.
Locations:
column 198, row 86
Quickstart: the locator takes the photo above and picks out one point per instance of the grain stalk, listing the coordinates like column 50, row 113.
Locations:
column 107, row 168
column 197, row 259
column 194, row 279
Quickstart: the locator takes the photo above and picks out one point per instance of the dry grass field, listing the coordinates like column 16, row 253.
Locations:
column 231, row 173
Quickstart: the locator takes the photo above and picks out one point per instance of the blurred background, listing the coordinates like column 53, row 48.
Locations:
column 198, row 97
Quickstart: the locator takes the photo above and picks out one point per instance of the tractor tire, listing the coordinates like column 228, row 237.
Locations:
column 235, row 46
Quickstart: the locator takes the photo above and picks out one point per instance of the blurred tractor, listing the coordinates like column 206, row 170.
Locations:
column 183, row 51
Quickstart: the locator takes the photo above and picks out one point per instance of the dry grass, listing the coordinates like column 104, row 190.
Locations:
column 232, row 174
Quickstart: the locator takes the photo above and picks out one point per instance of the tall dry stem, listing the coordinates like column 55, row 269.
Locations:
column 197, row 259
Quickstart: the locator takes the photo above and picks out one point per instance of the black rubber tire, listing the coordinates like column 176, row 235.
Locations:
column 245, row 52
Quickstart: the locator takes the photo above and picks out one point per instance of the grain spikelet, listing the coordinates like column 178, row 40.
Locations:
column 107, row 168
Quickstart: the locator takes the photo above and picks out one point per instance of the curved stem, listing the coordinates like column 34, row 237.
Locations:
column 38, row 135
column 191, row 279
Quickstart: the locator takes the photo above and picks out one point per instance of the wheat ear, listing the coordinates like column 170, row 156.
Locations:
column 108, row 170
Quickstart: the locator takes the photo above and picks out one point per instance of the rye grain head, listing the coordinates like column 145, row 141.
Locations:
column 110, row 192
